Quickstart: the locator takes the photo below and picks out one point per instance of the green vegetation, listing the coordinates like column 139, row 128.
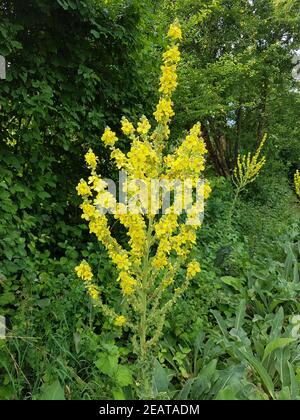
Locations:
column 74, row 67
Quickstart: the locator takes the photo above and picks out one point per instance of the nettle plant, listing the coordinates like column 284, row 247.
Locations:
column 160, row 239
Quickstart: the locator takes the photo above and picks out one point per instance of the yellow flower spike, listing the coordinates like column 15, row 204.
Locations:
column 159, row 241
column 83, row 189
column 168, row 83
column 297, row 182
column 84, row 271
column 175, row 31
column 120, row 321
column 109, row 138
column 91, row 159
column 192, row 269
column 248, row 167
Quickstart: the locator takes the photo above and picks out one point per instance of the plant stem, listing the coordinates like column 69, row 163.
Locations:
column 143, row 356
column 230, row 213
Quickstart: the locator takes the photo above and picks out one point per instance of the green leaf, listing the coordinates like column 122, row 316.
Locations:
column 118, row 394
column 284, row 394
column 240, row 316
column 234, row 282
column 258, row 367
column 294, row 382
column 53, row 391
column 204, row 380
column 107, row 364
column 276, row 344
column 220, row 322
column 123, row 376
column 277, row 324
column 160, row 377
column 282, row 356
column 184, row 393
column 95, row 33
column 226, row 394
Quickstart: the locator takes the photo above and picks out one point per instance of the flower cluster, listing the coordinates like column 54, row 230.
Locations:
column 193, row 268
column 159, row 243
column 248, row 167
column 297, row 182
column 168, row 81
column 84, row 271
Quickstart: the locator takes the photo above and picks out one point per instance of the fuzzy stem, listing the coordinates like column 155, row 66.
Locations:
column 143, row 328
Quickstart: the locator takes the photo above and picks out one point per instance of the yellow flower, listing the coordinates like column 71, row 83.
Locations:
column 188, row 160
column 172, row 55
column 168, row 80
column 160, row 260
column 84, row 271
column 119, row 157
column 192, row 269
column 164, row 110
column 91, row 159
column 109, row 138
column 120, row 321
column 105, row 200
column 168, row 281
column 83, row 189
column 121, row 260
column 143, row 126
column 88, row 211
column 127, row 282
column 175, row 31
column 93, row 291
column 127, row 127
column 166, row 225
column 142, row 159
column 97, row 183
column 207, row 190
column 99, row 227
column 297, row 182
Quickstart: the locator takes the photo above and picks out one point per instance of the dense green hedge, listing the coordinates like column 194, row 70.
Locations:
column 71, row 70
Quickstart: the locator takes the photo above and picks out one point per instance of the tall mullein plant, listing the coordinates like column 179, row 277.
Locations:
column 159, row 244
